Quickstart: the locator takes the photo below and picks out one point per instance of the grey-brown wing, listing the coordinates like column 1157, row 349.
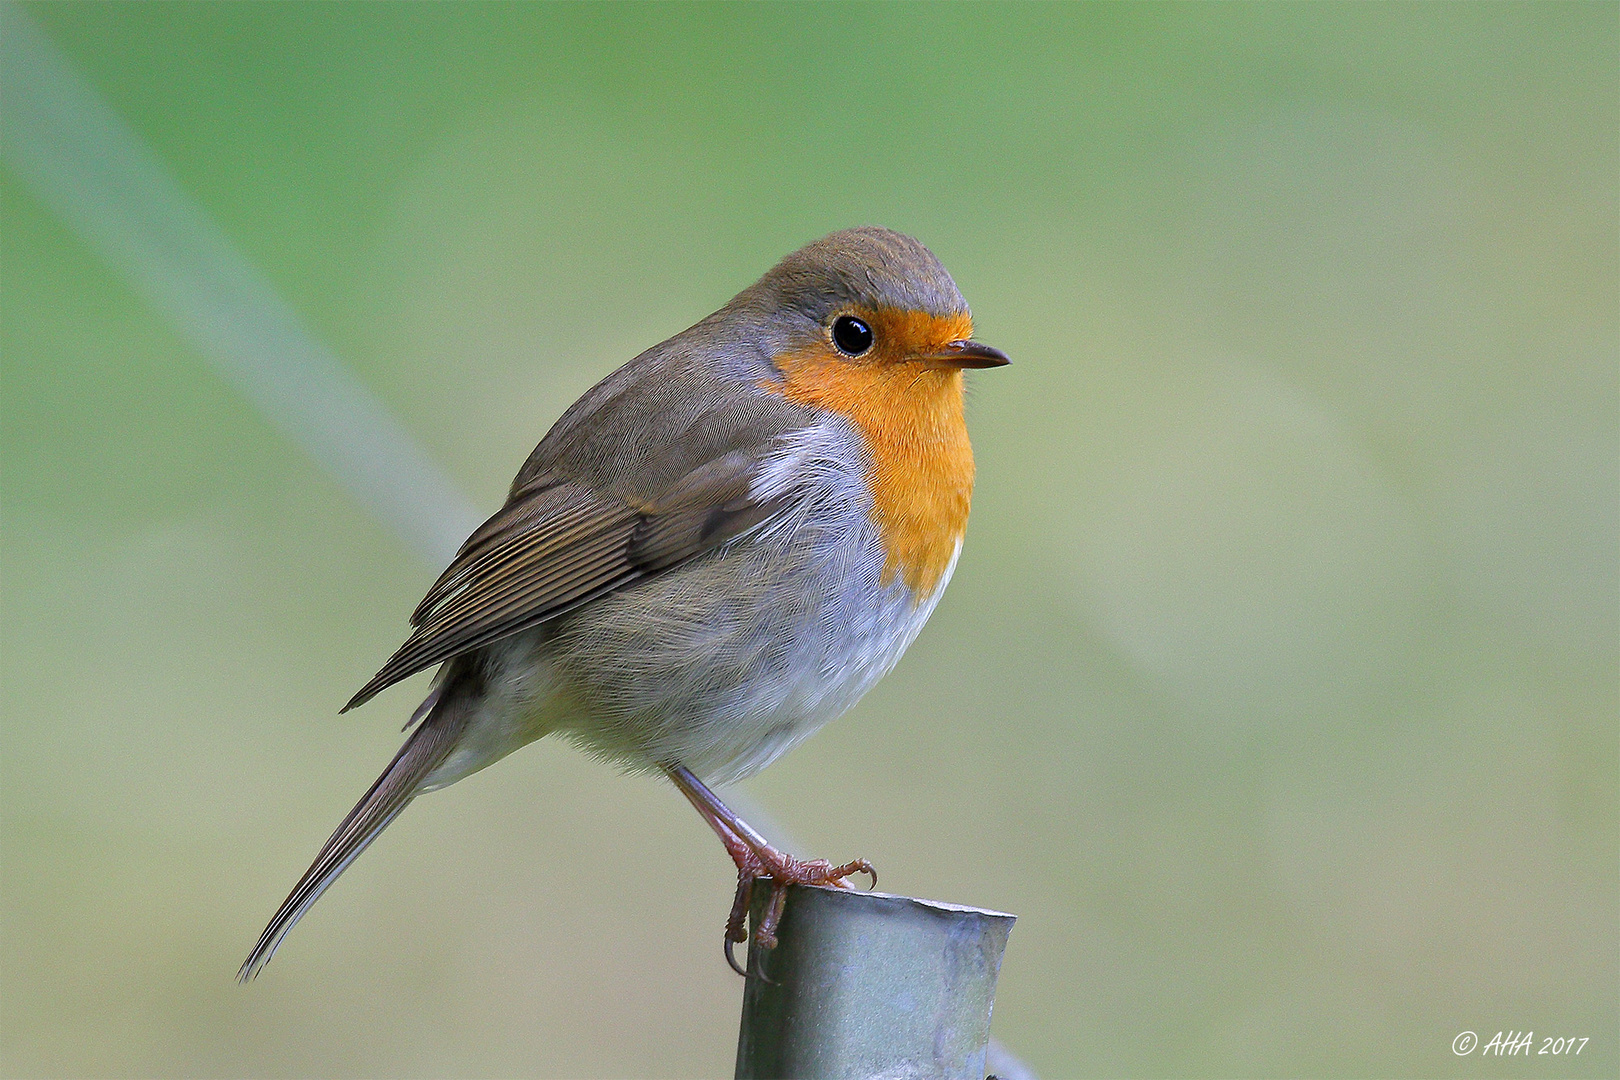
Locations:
column 557, row 544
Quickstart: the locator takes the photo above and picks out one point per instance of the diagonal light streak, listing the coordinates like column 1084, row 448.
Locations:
column 86, row 163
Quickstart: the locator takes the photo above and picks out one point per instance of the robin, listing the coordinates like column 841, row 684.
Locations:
column 719, row 548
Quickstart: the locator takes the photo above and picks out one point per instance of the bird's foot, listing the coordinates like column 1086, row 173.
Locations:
column 757, row 860
column 782, row 870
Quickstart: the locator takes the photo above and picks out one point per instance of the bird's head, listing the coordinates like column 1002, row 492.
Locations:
column 868, row 298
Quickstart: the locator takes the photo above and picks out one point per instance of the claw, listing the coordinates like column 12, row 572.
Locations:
column 736, row 928
column 732, row 959
column 836, row 875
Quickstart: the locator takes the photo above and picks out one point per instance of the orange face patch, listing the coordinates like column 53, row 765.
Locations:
column 909, row 411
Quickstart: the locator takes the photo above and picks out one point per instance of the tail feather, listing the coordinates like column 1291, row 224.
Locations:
column 427, row 747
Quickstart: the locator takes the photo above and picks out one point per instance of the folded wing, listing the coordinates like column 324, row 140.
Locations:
column 557, row 544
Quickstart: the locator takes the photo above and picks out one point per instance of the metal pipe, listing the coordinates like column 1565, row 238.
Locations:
column 865, row 985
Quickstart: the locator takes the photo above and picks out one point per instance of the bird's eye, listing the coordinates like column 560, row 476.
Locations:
column 852, row 336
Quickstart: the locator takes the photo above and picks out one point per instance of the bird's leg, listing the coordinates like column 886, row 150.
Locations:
column 748, row 868
column 755, row 858
column 766, row 860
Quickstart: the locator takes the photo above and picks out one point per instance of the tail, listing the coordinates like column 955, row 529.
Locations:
column 427, row 747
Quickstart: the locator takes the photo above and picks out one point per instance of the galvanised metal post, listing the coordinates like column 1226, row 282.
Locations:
column 864, row 985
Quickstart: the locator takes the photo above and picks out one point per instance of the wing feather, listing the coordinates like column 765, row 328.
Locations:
column 557, row 544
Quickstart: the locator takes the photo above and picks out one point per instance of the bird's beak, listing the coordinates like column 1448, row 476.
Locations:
column 968, row 354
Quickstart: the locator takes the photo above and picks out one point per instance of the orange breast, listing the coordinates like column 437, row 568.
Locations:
column 910, row 414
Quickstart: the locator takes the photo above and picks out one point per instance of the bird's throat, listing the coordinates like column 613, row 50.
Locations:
column 910, row 414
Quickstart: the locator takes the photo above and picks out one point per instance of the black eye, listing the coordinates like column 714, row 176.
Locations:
column 851, row 335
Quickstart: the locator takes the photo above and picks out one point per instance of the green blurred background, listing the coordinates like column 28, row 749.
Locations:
column 1277, row 690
